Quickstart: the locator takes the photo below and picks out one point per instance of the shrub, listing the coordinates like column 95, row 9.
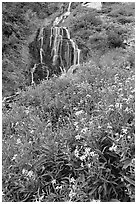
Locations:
column 124, row 20
column 98, row 41
column 114, row 40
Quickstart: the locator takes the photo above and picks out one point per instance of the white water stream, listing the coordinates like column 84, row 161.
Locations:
column 56, row 39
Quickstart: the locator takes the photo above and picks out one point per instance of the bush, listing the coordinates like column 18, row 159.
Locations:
column 127, row 9
column 124, row 20
column 114, row 40
column 98, row 41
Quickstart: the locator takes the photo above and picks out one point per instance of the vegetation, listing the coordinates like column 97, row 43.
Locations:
column 20, row 20
column 71, row 138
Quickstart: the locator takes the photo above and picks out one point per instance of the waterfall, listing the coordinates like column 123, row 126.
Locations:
column 55, row 49
column 69, row 6
column 32, row 74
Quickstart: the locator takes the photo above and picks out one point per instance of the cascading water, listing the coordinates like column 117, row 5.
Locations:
column 53, row 50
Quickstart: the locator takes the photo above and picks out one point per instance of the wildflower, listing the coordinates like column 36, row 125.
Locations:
column 58, row 187
column 72, row 180
column 32, row 131
column 122, row 179
column 127, row 109
column 71, row 194
column 53, row 181
column 128, row 137
column 18, row 141
column 88, row 95
column 79, row 112
column 82, row 119
column 24, row 171
column 30, row 174
column 109, row 126
column 87, row 150
column 14, row 157
column 121, row 136
column 118, row 105
column 83, row 157
column 27, row 112
column 89, row 165
column 133, row 161
column 48, row 124
column 75, row 123
column 92, row 154
column 84, row 130
column 78, row 137
column 76, row 152
column 124, row 130
column 113, row 148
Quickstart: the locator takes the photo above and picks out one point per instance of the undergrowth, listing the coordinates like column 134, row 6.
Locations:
column 72, row 139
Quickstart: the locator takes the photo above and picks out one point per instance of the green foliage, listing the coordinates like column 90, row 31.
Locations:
column 124, row 20
column 114, row 40
column 76, row 137
column 71, row 138
column 20, row 20
column 127, row 9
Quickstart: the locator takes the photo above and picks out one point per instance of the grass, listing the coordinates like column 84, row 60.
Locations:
column 72, row 139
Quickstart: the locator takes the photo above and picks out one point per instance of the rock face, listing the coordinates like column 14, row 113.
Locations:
column 53, row 51
column 94, row 5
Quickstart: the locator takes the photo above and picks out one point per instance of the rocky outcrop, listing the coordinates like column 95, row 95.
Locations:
column 53, row 51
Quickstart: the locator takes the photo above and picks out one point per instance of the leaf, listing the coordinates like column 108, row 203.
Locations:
column 127, row 163
column 105, row 188
column 92, row 191
column 129, row 180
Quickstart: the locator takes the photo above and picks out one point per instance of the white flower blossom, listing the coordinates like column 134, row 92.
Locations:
column 53, row 181
column 27, row 112
column 72, row 180
column 14, row 157
column 30, row 174
column 128, row 137
column 109, row 126
column 83, row 157
column 89, row 165
column 75, row 123
column 78, row 137
column 58, row 187
column 92, row 154
column 84, row 130
column 76, row 152
column 18, row 141
column 124, row 130
column 118, row 105
column 79, row 112
column 113, row 148
column 71, row 194
column 24, row 171
column 87, row 150
column 88, row 96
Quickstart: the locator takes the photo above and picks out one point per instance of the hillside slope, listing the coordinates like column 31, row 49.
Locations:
column 72, row 138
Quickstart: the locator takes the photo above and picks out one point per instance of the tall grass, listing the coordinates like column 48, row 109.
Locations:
column 72, row 139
